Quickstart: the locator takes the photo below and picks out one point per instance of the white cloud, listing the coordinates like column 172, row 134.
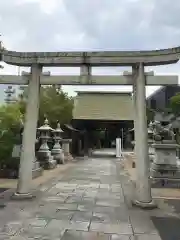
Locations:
column 59, row 25
column 46, row 6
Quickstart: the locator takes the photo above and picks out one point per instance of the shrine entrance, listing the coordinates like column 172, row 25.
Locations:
column 103, row 133
column 138, row 78
column 98, row 114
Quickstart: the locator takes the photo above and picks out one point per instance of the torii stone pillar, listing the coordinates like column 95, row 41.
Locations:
column 29, row 135
column 85, row 78
column 143, row 185
column 134, row 75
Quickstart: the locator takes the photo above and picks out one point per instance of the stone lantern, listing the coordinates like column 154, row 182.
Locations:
column 165, row 168
column 57, row 151
column 10, row 95
column 44, row 154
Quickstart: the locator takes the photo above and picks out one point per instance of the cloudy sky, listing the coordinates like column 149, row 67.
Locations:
column 60, row 25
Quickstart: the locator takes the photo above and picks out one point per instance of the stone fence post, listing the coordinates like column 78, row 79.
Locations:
column 66, row 149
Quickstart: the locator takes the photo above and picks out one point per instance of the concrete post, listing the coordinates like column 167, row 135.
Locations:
column 143, row 186
column 85, row 74
column 66, row 149
column 29, row 135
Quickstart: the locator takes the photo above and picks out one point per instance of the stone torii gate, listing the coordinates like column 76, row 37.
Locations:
column 86, row 60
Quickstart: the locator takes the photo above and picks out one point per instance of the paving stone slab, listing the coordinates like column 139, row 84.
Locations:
column 110, row 217
column 40, row 233
column 122, row 228
column 82, row 216
column 147, row 237
column 4, row 237
column 116, row 190
column 88, row 199
column 76, row 195
column 90, row 194
column 108, row 203
column 85, row 207
column 58, row 199
column 67, row 206
column 108, row 209
column 11, row 228
column 64, row 214
column 53, row 191
column 63, row 224
column 35, row 222
column 120, row 237
column 109, row 195
column 104, row 186
column 73, row 199
column 46, row 212
column 65, row 185
column 8, row 216
column 94, row 185
column 65, row 194
column 78, row 235
column 86, row 203
column 24, row 238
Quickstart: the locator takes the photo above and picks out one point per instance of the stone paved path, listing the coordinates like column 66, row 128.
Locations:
column 91, row 201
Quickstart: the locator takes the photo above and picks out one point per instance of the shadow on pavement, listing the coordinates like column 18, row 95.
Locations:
column 3, row 198
column 175, row 203
column 168, row 228
column 3, row 190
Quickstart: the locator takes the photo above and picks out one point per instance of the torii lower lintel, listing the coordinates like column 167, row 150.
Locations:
column 151, row 80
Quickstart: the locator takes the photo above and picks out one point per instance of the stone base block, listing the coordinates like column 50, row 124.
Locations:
column 151, row 157
column 59, row 159
column 165, row 175
column 165, row 171
column 150, row 205
column 165, row 183
column 58, row 155
column 170, row 167
column 86, row 157
column 22, row 196
column 51, row 164
column 68, row 157
column 46, row 160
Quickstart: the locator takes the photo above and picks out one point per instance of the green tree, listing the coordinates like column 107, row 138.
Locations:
column 54, row 104
column 10, row 124
column 175, row 104
column 10, row 116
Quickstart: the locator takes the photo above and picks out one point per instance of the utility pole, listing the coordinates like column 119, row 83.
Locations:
column 0, row 50
column 1, row 47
